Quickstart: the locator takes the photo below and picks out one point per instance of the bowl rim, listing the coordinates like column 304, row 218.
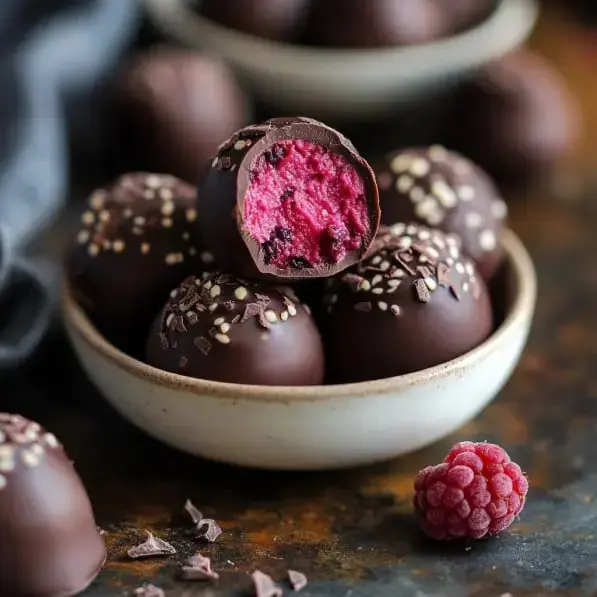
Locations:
column 519, row 314
column 178, row 20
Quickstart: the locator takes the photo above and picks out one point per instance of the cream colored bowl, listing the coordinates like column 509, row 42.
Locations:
column 311, row 427
column 349, row 84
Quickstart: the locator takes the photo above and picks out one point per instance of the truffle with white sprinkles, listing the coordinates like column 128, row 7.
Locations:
column 415, row 302
column 49, row 542
column 442, row 189
column 138, row 240
column 223, row 328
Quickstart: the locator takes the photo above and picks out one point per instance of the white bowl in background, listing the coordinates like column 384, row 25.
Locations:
column 316, row 427
column 347, row 84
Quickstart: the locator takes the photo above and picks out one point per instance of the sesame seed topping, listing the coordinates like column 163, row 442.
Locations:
column 376, row 280
column 405, row 183
column 93, row 250
column 382, row 306
column 419, row 167
column 222, row 338
column 487, row 240
column 240, row 145
column 191, row 215
column 225, row 328
column 284, row 315
column 29, row 459
column 97, row 200
column 447, row 197
column 438, row 153
column 240, row 293
column 213, row 307
column 145, row 248
column 377, row 290
column 153, row 181
column 167, row 222
column 139, row 221
column 219, row 321
column 417, row 194
column 376, row 260
column 271, row 316
column 166, row 194
column 466, row 193
column 83, row 237
column 397, row 229
column 215, row 291
column 394, row 283
column 50, row 440
column 118, row 246
column 104, row 216
column 459, row 267
column 167, row 208
column 88, row 218
column 149, row 194
column 292, row 310
column 473, row 220
column 401, row 163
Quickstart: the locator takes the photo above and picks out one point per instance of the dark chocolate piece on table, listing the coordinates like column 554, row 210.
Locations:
column 49, row 541
column 151, row 547
column 442, row 189
column 413, row 303
column 198, row 567
column 288, row 199
column 138, row 241
column 298, row 581
column 209, row 529
column 171, row 108
column 223, row 328
column 264, row 585
column 195, row 514
column 280, row 20
column 375, row 23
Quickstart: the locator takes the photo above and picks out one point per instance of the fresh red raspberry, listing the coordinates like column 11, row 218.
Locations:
column 476, row 491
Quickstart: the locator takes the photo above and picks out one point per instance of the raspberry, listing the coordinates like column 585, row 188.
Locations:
column 477, row 491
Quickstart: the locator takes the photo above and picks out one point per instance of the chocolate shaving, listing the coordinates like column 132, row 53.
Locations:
column 229, row 305
column 398, row 257
column 203, row 344
column 236, row 319
column 195, row 514
column 189, row 302
column 208, row 529
column 297, row 580
column 192, row 317
column 198, row 567
column 264, row 299
column 422, row 291
column 251, row 310
column 363, row 307
column 149, row 591
column 177, row 324
column 265, row 586
column 153, row 546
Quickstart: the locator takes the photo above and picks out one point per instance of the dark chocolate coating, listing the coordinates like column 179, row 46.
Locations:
column 464, row 14
column 374, row 23
column 138, row 241
column 279, row 20
column 226, row 180
column 171, row 108
column 516, row 119
column 414, row 303
column 222, row 328
column 50, row 545
column 442, row 189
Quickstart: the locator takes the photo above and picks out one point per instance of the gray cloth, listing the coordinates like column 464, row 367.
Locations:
column 51, row 54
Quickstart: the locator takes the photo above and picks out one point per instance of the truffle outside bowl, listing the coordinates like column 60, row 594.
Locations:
column 347, row 84
column 314, row 427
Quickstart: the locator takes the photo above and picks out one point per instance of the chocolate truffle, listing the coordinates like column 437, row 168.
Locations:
column 172, row 108
column 374, row 23
column 279, row 20
column 414, row 303
column 223, row 328
column 288, row 199
column 138, row 241
column 440, row 188
column 50, row 545
column 516, row 119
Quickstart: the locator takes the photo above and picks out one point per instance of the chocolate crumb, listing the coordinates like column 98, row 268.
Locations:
column 265, row 586
column 208, row 529
column 195, row 514
column 297, row 580
column 153, row 546
column 149, row 591
column 263, row 298
column 198, row 567
column 251, row 310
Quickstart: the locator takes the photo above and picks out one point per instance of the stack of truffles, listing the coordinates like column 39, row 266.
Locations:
column 294, row 262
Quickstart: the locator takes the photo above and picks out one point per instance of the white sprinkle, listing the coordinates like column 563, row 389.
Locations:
column 149, row 194
column 417, row 194
column 97, row 200
column 284, row 315
column 384, row 266
column 213, row 307
column 405, row 243
column 191, row 215
column 153, row 181
column 239, row 145
column 376, row 260
column 459, row 267
column 222, row 338
column 166, row 194
column 438, row 153
column 447, row 197
column 29, row 459
column 398, row 273
column 487, row 240
column 454, row 252
column 394, row 283
column 37, row 449
column 382, row 306
column 145, row 248
column 83, row 237
column 118, row 246
column 433, row 253
column 240, row 293
column 104, row 216
column 473, row 220
column 292, row 310
column 225, row 328
column 376, row 280
column 469, row 269
column 139, row 221
column 395, row 309
column 466, row 193
column 426, row 209
column 424, row 234
column 401, row 163
column 430, row 283
column 499, row 209
column 465, row 287
column 219, row 321
column 168, row 208
column 271, row 316
column 3, row 482
column 88, row 218
column 50, row 439
column 174, row 293
column 405, row 183
column 419, row 167
column 208, row 285
column 411, row 229
column 397, row 229
column 215, row 291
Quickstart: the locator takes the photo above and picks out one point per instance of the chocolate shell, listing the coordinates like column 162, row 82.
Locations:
column 415, row 302
column 288, row 199
column 50, row 545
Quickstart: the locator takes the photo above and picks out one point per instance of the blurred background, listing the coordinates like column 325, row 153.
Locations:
column 94, row 88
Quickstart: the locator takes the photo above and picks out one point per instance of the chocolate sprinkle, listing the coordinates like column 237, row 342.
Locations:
column 265, row 586
column 153, row 546
column 198, row 567
column 297, row 580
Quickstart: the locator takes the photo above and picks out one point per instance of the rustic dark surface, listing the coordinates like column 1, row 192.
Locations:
column 352, row 532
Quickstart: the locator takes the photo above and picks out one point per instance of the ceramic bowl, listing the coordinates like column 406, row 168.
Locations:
column 348, row 84
column 313, row 427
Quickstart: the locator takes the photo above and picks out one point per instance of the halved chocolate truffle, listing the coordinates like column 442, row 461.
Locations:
column 442, row 189
column 288, row 199
column 271, row 19
column 50, row 545
column 227, row 329
column 171, row 108
column 415, row 302
column 516, row 118
column 374, row 23
column 138, row 241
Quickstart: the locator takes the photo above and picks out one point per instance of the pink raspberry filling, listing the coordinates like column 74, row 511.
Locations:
column 305, row 206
